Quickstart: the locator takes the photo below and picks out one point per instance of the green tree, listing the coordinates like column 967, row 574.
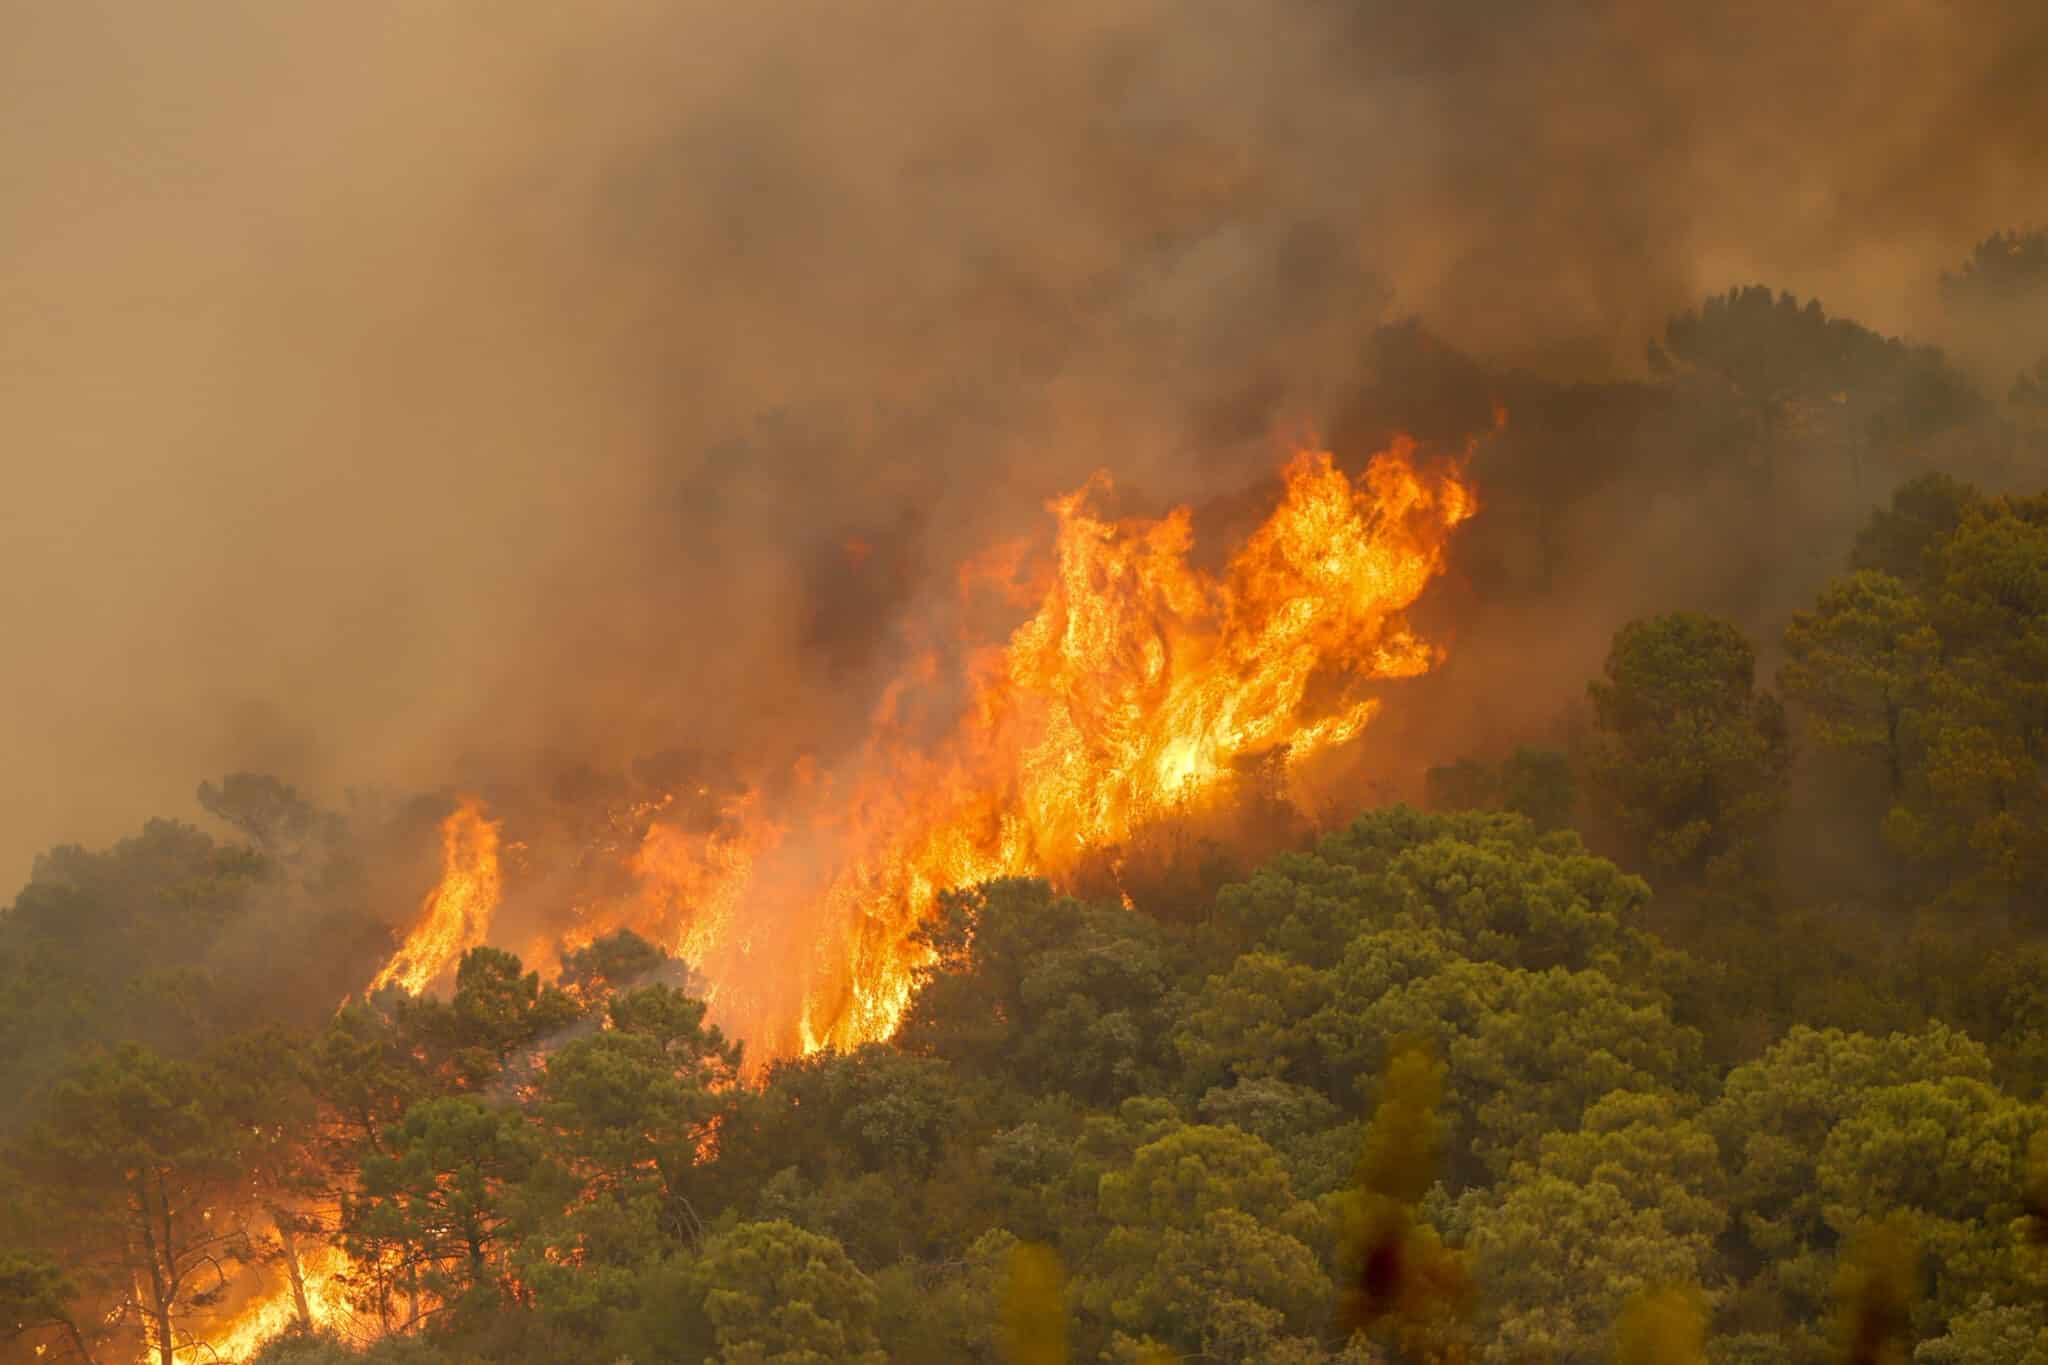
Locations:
column 1982, row 804
column 872, row 1109
column 1205, row 1248
column 1990, row 1334
column 1559, row 1259
column 1948, row 1155
column 1829, row 1132
column 1800, row 378
column 101, row 947
column 1186, row 1176
column 1297, row 1121
column 629, row 1114
column 499, row 1012
column 778, row 1295
column 1859, row 663
column 1484, row 886
column 134, row 1163
column 611, row 962
column 1054, row 993
column 1774, row 1116
column 1527, row 1051
column 1255, row 1020
column 1229, row 1288
column 1654, row 1149
column 1689, row 758
column 1999, row 267
column 1997, row 294
column 1899, row 538
column 39, row 1304
column 265, row 1096
column 953, row 1311
column 279, row 823
column 365, row 1072
column 439, row 1211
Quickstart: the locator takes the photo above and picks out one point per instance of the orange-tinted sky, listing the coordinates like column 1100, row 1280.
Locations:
column 388, row 390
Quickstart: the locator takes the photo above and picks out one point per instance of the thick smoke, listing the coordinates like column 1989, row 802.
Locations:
column 398, row 395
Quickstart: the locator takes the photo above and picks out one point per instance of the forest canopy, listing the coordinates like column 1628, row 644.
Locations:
column 1705, row 1020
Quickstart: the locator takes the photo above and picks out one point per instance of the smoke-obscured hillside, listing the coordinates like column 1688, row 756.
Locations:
column 404, row 398
column 1295, row 683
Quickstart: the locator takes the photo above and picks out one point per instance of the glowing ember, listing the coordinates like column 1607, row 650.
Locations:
column 457, row 913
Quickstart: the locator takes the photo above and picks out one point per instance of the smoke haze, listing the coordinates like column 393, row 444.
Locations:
column 393, row 394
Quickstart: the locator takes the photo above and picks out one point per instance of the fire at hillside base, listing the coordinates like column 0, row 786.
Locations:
column 1137, row 687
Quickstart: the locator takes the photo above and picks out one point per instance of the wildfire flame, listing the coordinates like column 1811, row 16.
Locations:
column 456, row 914
column 454, row 917
column 325, row 1271
column 323, row 1274
column 1140, row 686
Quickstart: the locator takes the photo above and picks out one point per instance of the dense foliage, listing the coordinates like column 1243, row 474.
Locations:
column 1716, row 1031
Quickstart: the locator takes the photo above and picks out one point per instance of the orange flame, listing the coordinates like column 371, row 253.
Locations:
column 456, row 914
column 1138, row 689
column 323, row 1273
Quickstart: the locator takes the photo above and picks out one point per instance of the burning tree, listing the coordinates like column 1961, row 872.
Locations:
column 136, row 1164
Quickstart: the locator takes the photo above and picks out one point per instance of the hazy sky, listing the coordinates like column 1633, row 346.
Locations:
column 390, row 390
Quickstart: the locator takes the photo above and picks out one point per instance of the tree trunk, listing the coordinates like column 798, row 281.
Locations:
column 158, row 1309
column 293, row 1269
